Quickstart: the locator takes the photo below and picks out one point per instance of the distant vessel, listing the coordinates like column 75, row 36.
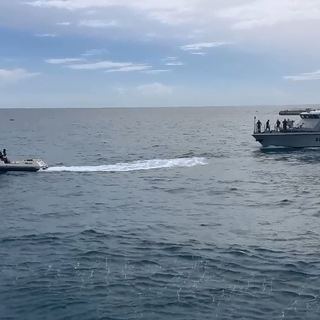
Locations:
column 24, row 165
column 306, row 133
column 294, row 112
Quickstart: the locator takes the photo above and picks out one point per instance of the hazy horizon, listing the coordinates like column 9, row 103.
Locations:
column 298, row 106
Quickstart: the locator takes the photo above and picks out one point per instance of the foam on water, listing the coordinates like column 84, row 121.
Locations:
column 133, row 166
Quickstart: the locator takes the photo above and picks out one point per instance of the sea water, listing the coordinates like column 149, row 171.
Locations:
column 156, row 213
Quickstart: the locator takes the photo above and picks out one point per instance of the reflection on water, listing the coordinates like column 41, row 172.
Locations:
column 303, row 155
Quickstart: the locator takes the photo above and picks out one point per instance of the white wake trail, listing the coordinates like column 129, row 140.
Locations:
column 134, row 166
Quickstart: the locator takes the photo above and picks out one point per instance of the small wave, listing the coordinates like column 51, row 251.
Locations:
column 134, row 166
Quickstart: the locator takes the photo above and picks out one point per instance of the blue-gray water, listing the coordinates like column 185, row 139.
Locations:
column 172, row 213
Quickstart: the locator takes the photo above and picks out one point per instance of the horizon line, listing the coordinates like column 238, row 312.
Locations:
column 144, row 107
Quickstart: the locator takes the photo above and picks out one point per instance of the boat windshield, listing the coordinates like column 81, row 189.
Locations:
column 310, row 116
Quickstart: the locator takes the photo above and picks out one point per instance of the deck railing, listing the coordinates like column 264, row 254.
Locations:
column 290, row 128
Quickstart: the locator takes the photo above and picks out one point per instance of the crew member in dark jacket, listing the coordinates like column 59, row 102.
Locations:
column 259, row 126
column 284, row 122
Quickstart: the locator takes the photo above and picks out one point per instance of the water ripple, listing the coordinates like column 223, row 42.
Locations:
column 171, row 213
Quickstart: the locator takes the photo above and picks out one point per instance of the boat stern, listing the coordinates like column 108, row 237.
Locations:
column 42, row 165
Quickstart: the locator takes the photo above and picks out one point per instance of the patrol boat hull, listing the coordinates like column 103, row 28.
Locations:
column 293, row 140
column 29, row 165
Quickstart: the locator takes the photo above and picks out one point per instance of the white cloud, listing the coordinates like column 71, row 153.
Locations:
column 244, row 14
column 120, row 90
column 50, row 35
column 110, row 66
column 305, row 76
column 155, row 71
column 94, row 52
column 172, row 17
column 85, row 4
column 199, row 53
column 268, row 12
column 154, row 89
column 174, row 64
column 197, row 31
column 98, row 23
column 199, row 46
column 15, row 75
column 130, row 68
column 9, row 60
column 170, row 59
column 89, row 13
column 100, row 65
column 166, row 11
column 65, row 60
column 63, row 23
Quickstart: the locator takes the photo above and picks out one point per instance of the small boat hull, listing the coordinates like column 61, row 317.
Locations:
column 29, row 165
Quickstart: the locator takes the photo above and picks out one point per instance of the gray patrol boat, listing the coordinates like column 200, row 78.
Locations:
column 306, row 133
column 31, row 165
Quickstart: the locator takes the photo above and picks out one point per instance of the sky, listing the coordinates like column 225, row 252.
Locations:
column 147, row 53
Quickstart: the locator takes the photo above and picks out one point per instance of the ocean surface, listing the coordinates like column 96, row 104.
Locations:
column 157, row 213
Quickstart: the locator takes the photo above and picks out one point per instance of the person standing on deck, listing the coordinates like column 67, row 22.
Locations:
column 284, row 124
column 259, row 126
column 268, row 125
